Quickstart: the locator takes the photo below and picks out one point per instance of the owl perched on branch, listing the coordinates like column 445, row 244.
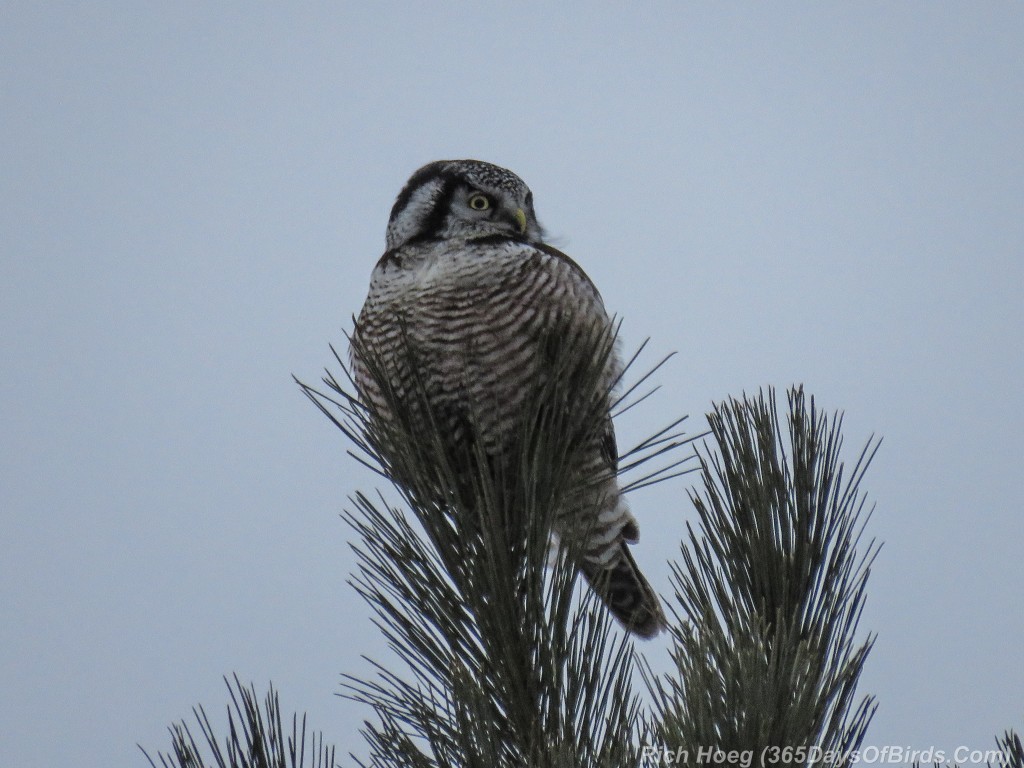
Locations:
column 463, row 310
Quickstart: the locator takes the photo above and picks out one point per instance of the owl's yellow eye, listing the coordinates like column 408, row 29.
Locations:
column 479, row 202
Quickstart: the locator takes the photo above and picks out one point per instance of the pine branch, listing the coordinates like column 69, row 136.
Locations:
column 508, row 665
column 257, row 739
column 770, row 591
column 1012, row 748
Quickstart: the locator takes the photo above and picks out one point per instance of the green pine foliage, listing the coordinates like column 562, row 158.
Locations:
column 509, row 664
column 504, row 659
column 1012, row 748
column 256, row 738
column 769, row 591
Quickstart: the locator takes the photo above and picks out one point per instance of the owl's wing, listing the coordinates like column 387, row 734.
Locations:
column 609, row 447
column 568, row 261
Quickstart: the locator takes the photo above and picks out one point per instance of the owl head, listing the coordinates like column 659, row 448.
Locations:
column 462, row 199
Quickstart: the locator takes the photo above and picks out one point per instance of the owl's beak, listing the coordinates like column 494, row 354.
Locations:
column 520, row 217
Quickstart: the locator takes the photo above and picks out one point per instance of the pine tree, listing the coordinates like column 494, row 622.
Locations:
column 770, row 591
column 256, row 738
column 506, row 661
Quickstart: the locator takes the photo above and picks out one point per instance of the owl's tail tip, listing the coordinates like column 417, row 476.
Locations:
column 628, row 596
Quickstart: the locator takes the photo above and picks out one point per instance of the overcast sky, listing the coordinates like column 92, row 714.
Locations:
column 192, row 200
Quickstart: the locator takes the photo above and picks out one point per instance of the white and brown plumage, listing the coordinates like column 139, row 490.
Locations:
column 468, row 285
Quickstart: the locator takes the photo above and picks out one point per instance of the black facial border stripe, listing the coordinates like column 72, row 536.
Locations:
column 434, row 222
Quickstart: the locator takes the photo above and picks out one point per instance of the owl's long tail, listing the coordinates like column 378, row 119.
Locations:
column 626, row 593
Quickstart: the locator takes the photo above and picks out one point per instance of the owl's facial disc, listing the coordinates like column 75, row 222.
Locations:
column 476, row 212
column 463, row 199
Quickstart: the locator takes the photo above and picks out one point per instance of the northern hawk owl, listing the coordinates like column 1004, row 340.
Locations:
column 468, row 287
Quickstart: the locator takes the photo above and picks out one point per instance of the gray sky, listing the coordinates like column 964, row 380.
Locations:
column 191, row 201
